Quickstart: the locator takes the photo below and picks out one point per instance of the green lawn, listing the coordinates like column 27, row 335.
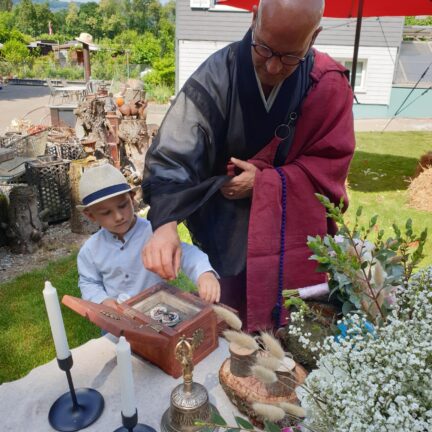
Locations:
column 378, row 181
column 379, row 178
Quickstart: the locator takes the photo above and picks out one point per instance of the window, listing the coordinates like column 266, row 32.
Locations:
column 360, row 79
column 200, row 4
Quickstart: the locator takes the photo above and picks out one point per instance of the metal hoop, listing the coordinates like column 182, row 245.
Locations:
column 285, row 127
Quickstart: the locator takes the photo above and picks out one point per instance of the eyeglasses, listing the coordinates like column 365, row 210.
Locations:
column 268, row 53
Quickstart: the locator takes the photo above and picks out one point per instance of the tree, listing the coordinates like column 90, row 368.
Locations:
column 166, row 28
column 26, row 17
column 90, row 19
column 6, row 5
column 59, row 22
column 43, row 17
column 142, row 15
column 113, row 17
column 146, row 50
column 72, row 19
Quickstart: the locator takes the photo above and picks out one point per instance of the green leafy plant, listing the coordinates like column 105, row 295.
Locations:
column 241, row 425
column 364, row 275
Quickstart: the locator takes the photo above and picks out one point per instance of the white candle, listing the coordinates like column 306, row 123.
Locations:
column 124, row 363
column 56, row 321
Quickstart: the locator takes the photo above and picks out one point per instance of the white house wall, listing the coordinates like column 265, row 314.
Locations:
column 379, row 65
column 191, row 54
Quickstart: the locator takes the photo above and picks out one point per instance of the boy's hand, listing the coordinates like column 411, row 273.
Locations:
column 208, row 287
column 110, row 303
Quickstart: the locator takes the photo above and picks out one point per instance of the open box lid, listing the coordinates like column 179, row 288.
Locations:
column 115, row 322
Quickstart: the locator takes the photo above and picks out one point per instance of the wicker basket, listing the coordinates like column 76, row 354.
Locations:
column 27, row 145
column 50, row 177
column 72, row 150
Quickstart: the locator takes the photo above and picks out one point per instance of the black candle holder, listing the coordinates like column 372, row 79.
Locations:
column 130, row 424
column 75, row 410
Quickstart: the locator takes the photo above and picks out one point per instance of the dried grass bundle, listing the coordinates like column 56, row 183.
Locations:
column 378, row 277
column 229, row 317
column 242, row 339
column 272, row 345
column 419, row 191
column 292, row 409
column 263, row 374
column 269, row 412
column 269, row 362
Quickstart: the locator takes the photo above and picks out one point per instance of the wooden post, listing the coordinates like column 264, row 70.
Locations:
column 86, row 59
column 113, row 138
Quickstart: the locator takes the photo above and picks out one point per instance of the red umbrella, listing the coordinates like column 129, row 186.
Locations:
column 357, row 9
column 350, row 8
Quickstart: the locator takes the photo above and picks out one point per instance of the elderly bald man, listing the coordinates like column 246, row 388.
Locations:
column 256, row 131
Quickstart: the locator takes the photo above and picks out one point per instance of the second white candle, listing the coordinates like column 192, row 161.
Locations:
column 124, row 362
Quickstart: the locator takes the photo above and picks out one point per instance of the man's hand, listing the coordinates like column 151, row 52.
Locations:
column 208, row 287
column 162, row 253
column 240, row 186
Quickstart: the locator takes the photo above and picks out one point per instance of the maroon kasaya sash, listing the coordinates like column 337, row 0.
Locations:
column 317, row 162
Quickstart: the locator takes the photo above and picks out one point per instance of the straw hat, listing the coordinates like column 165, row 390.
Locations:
column 85, row 38
column 101, row 183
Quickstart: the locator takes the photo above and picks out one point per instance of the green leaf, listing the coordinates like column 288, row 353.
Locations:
column 359, row 211
column 346, row 308
column 373, row 221
column 271, row 427
column 233, row 430
column 244, row 423
column 217, row 419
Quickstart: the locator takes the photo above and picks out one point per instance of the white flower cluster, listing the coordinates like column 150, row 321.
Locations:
column 379, row 381
column 297, row 329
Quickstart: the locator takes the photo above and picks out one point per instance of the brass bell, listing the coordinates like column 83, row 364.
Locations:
column 189, row 400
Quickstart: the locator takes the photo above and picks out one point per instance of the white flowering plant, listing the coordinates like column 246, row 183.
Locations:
column 376, row 380
column 364, row 275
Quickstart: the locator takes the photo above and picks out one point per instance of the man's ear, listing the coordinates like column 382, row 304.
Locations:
column 89, row 215
column 254, row 15
column 315, row 35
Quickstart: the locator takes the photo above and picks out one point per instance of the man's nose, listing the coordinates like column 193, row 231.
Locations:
column 274, row 65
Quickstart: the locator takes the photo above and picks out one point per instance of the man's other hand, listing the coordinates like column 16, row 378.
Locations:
column 208, row 287
column 240, row 186
column 162, row 253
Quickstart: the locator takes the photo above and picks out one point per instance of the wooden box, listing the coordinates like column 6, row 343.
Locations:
column 150, row 338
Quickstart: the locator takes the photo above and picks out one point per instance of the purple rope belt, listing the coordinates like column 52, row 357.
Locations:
column 278, row 307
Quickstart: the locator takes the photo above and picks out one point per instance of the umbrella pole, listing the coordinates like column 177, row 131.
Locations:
column 356, row 43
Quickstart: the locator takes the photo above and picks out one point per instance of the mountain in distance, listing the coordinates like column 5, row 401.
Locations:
column 56, row 5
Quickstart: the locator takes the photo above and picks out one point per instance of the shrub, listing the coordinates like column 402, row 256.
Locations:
column 15, row 52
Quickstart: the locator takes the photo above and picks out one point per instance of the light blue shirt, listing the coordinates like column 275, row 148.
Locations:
column 108, row 267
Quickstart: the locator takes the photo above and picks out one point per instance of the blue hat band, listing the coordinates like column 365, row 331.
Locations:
column 110, row 190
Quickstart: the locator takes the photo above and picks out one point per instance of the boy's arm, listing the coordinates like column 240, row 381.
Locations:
column 196, row 265
column 90, row 280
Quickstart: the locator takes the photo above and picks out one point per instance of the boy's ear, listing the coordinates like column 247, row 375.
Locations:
column 89, row 215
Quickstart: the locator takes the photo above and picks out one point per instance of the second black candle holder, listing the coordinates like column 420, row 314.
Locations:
column 130, row 424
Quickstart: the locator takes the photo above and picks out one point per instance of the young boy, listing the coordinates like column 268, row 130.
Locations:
column 109, row 262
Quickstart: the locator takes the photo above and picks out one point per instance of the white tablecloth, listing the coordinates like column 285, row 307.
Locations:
column 25, row 403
